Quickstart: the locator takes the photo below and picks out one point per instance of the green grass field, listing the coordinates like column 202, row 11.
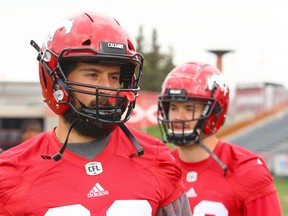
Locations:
column 282, row 188
column 280, row 183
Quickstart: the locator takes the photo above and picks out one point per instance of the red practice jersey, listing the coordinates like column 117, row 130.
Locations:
column 111, row 184
column 247, row 179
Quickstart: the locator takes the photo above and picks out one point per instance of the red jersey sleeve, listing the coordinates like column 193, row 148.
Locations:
column 265, row 206
column 171, row 175
column 3, row 212
column 252, row 179
column 167, row 171
column 8, row 179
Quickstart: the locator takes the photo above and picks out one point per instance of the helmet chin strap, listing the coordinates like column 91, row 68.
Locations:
column 214, row 156
column 140, row 150
column 59, row 155
column 200, row 124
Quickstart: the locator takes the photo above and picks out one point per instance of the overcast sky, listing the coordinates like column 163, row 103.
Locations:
column 257, row 31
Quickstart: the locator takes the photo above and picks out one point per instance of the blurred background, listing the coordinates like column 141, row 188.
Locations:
column 246, row 40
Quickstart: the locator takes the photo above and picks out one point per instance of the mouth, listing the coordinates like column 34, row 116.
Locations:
column 101, row 103
column 179, row 131
column 180, row 127
column 104, row 103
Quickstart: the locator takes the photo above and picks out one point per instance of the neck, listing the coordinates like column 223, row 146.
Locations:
column 194, row 153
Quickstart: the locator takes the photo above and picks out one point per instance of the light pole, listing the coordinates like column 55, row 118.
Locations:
column 219, row 54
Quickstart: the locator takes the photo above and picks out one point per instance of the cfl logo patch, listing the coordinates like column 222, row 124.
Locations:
column 93, row 168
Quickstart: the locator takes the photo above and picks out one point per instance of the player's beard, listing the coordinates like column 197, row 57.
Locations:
column 86, row 129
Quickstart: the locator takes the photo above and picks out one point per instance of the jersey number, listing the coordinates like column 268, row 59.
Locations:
column 210, row 208
column 119, row 207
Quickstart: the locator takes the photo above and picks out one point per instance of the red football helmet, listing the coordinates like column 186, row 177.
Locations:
column 196, row 83
column 89, row 37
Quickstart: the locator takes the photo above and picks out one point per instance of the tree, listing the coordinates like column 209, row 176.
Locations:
column 140, row 40
column 156, row 64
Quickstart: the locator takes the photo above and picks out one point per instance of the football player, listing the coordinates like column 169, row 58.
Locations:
column 220, row 178
column 90, row 164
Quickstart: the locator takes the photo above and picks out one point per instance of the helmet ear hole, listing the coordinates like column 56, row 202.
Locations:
column 210, row 125
column 217, row 110
column 127, row 75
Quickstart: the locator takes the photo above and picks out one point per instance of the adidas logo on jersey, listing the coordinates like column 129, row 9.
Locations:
column 191, row 193
column 97, row 190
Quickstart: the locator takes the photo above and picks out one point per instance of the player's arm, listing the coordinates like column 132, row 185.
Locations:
column 265, row 206
column 179, row 207
column 258, row 192
column 10, row 181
